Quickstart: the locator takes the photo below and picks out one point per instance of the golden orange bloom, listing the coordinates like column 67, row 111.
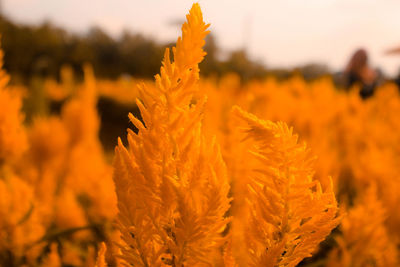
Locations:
column 172, row 183
column 289, row 212
column 365, row 241
column 20, row 223
column 53, row 258
column 101, row 261
column 197, row 184
column 12, row 133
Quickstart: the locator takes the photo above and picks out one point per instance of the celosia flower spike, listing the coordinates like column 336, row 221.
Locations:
column 101, row 261
column 290, row 214
column 172, row 183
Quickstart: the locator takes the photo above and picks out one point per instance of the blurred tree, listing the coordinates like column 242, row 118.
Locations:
column 106, row 61
column 135, row 49
column 313, row 70
column 240, row 63
column 211, row 63
column 41, row 51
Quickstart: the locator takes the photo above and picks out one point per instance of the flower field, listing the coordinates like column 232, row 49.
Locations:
column 211, row 172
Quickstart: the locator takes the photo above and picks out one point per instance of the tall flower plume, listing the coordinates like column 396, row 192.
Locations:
column 172, row 183
column 289, row 212
column 365, row 240
column 12, row 133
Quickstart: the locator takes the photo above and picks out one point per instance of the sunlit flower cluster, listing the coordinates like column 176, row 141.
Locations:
column 216, row 173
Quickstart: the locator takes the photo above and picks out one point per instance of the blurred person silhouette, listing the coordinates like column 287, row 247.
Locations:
column 359, row 72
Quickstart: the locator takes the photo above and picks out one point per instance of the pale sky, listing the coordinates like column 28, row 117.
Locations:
column 280, row 33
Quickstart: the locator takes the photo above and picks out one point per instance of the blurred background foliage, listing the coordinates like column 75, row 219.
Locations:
column 41, row 51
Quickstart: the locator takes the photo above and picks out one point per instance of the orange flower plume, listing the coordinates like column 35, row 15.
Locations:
column 172, row 183
column 289, row 212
